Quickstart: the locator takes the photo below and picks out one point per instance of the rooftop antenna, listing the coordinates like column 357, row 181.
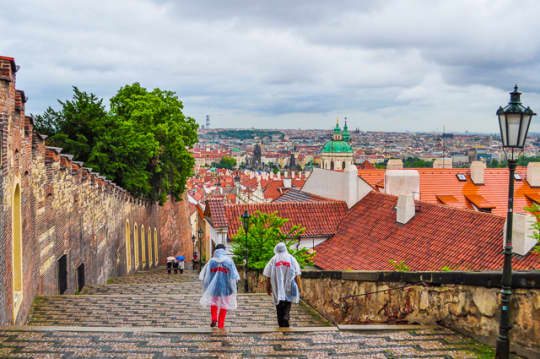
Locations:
column 444, row 147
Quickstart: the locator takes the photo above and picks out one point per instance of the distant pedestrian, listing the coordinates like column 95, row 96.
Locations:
column 180, row 261
column 195, row 259
column 170, row 264
column 283, row 282
column 220, row 279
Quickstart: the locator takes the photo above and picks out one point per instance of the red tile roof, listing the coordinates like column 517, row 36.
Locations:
column 215, row 212
column 436, row 182
column 437, row 236
column 321, row 219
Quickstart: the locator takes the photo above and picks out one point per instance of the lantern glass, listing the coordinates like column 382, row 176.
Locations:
column 513, row 125
column 502, row 124
column 525, row 122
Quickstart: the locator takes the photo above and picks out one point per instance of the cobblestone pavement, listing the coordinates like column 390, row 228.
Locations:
column 435, row 343
column 158, row 300
column 155, row 299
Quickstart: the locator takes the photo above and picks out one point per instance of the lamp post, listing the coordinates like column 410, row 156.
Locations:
column 200, row 249
column 245, row 222
column 193, row 250
column 514, row 121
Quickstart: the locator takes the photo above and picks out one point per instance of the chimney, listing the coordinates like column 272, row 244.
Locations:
column 394, row 164
column 445, row 162
column 351, row 186
column 397, row 182
column 285, row 174
column 292, row 174
column 405, row 209
column 477, row 172
column 523, row 239
column 533, row 174
column 287, row 183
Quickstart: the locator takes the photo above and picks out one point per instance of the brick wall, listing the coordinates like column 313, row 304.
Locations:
column 66, row 209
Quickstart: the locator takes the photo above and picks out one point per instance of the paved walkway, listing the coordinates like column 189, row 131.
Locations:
column 153, row 315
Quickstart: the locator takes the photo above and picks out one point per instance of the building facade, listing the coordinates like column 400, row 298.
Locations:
column 337, row 154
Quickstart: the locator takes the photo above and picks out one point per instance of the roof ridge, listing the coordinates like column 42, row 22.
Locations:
column 423, row 203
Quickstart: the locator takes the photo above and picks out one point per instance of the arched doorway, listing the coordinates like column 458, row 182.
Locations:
column 128, row 247
column 149, row 239
column 332, row 165
column 136, row 245
column 143, row 246
column 343, row 165
column 16, row 255
column 156, row 250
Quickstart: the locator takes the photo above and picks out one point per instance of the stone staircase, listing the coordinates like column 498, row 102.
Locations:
column 157, row 316
column 156, row 299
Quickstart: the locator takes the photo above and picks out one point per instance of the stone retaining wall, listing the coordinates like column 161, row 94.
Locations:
column 54, row 208
column 468, row 302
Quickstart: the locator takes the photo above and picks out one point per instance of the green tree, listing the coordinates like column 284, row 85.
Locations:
column 414, row 162
column 534, row 209
column 226, row 162
column 141, row 144
column 76, row 126
column 265, row 231
column 157, row 124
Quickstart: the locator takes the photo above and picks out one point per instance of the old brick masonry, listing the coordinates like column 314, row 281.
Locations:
column 54, row 207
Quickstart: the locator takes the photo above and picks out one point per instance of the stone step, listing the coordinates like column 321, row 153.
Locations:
column 181, row 311
column 436, row 343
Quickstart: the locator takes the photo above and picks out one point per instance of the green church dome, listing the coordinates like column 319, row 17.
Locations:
column 337, row 129
column 336, row 146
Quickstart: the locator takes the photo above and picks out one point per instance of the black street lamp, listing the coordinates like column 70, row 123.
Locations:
column 200, row 249
column 193, row 249
column 514, row 121
column 245, row 222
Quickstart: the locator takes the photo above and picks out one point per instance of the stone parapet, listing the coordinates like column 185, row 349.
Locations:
column 467, row 302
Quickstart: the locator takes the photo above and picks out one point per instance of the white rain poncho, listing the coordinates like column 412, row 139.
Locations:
column 219, row 278
column 282, row 271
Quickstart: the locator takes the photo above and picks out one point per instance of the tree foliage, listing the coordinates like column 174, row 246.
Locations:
column 415, row 162
column 226, row 162
column 523, row 161
column 534, row 209
column 141, row 143
column 265, row 231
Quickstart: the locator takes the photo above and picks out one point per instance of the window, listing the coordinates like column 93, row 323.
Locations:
column 461, row 177
column 517, row 177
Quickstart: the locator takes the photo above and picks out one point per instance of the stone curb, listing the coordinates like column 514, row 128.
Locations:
column 168, row 330
column 142, row 295
column 369, row 327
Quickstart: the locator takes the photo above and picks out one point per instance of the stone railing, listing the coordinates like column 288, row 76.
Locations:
column 468, row 302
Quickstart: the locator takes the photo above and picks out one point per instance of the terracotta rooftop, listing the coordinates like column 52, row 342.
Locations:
column 437, row 236
column 296, row 195
column 441, row 186
column 321, row 219
column 215, row 212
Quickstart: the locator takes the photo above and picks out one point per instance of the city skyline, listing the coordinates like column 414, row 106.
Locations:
column 386, row 65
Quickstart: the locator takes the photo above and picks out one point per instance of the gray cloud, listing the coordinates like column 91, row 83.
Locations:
column 388, row 65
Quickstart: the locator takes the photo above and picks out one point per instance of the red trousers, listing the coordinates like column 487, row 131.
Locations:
column 222, row 315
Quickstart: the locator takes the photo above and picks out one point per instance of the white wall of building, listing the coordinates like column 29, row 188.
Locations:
column 342, row 186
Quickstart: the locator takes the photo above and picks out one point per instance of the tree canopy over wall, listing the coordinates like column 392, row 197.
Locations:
column 141, row 143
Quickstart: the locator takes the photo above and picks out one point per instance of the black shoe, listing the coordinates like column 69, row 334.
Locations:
column 213, row 324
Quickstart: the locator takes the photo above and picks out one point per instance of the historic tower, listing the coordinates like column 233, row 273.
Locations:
column 337, row 154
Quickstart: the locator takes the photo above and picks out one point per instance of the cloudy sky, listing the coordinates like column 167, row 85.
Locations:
column 387, row 65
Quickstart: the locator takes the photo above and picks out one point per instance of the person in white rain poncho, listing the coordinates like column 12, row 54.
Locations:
column 219, row 278
column 283, row 282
